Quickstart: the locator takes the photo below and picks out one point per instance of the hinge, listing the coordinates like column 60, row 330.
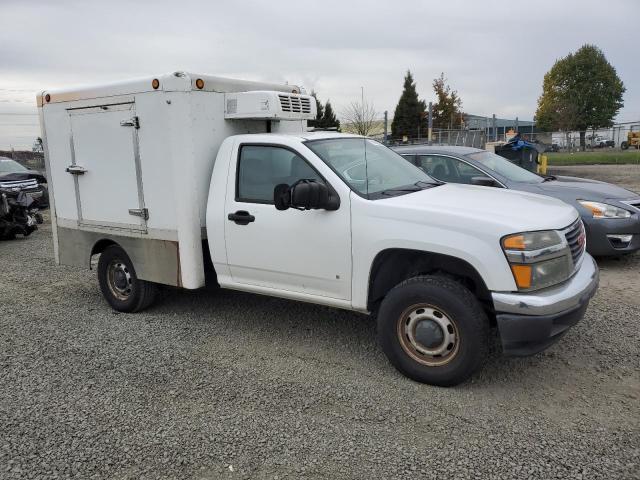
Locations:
column 140, row 212
column 133, row 122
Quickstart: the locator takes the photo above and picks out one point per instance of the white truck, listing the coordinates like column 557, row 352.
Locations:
column 167, row 178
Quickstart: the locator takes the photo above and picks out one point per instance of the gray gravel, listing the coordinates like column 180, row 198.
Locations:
column 219, row 384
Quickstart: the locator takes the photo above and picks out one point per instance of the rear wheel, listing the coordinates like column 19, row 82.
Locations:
column 433, row 330
column 119, row 283
column 624, row 145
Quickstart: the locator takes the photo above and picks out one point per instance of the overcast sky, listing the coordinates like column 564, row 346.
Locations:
column 494, row 53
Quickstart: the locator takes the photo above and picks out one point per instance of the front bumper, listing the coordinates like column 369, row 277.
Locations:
column 597, row 229
column 531, row 322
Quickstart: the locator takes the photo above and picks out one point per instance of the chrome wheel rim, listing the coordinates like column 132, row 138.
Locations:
column 428, row 335
column 119, row 280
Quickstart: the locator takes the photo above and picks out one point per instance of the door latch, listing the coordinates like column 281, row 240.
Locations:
column 133, row 122
column 76, row 170
column 140, row 212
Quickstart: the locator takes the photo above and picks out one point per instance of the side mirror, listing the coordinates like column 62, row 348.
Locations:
column 305, row 194
column 484, row 181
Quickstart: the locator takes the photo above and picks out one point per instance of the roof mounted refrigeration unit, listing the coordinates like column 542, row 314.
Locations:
column 269, row 105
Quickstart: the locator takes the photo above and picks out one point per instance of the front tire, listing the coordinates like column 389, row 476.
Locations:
column 119, row 283
column 433, row 330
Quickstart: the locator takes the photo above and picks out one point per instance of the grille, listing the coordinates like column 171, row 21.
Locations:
column 576, row 240
column 295, row 104
column 21, row 184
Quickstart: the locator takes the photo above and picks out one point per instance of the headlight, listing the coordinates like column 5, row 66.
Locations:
column 603, row 210
column 538, row 259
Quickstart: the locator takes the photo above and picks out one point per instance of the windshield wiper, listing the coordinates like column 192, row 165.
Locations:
column 422, row 183
column 416, row 187
column 391, row 191
column 549, row 178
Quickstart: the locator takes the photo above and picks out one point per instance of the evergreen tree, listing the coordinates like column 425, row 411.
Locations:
column 409, row 116
column 329, row 119
column 317, row 123
column 446, row 110
column 581, row 91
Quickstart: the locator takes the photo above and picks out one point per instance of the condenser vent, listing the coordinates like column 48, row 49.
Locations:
column 269, row 105
column 295, row 103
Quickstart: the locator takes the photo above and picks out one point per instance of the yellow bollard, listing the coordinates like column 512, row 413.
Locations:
column 542, row 164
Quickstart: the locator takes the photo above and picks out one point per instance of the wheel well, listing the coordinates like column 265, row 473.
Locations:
column 393, row 266
column 99, row 247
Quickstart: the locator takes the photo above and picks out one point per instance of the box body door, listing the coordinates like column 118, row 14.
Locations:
column 106, row 167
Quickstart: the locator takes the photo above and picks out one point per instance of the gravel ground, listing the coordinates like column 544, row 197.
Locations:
column 220, row 384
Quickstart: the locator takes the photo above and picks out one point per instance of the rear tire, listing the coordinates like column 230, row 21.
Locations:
column 433, row 330
column 119, row 283
column 624, row 145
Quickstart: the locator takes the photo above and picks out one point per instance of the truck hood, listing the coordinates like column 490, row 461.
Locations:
column 509, row 211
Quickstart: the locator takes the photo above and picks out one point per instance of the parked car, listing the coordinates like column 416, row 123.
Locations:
column 18, row 178
column 170, row 177
column 598, row 141
column 611, row 214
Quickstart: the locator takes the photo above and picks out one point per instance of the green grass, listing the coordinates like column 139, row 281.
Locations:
column 593, row 158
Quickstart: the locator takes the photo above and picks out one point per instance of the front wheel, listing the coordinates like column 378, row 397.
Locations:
column 433, row 330
column 119, row 283
column 624, row 145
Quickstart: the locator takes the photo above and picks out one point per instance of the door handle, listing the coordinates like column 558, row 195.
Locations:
column 76, row 170
column 241, row 217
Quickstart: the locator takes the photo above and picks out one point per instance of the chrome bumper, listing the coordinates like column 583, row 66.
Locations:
column 571, row 294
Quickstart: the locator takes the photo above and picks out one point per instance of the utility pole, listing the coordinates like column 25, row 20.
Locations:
column 493, row 127
column 386, row 119
column 430, row 123
column 517, row 126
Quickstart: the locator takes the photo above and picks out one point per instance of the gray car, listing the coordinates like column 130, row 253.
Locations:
column 611, row 214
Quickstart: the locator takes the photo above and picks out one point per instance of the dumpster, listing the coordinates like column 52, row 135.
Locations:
column 521, row 152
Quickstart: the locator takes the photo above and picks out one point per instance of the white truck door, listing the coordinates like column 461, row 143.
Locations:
column 106, row 166
column 298, row 251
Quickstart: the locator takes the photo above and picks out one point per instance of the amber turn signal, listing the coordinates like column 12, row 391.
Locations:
column 155, row 83
column 200, row 83
column 47, row 98
column 522, row 275
column 514, row 242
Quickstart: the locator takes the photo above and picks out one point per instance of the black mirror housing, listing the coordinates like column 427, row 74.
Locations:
column 305, row 194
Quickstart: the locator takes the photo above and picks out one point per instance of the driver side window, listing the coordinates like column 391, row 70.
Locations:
column 262, row 167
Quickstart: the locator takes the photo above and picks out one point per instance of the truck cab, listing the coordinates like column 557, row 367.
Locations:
column 232, row 182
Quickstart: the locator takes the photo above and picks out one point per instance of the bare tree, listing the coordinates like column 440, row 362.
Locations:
column 361, row 117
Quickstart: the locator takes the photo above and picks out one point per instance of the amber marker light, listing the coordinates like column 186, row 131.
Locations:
column 155, row 83
column 514, row 242
column 47, row 98
column 522, row 274
column 200, row 84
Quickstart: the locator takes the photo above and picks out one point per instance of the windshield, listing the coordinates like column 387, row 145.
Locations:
column 368, row 167
column 10, row 166
column 504, row 167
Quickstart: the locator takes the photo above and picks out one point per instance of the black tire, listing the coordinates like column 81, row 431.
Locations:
column 464, row 319
column 119, row 283
column 624, row 145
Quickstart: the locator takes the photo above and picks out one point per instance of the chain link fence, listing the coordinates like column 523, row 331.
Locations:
column 458, row 138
